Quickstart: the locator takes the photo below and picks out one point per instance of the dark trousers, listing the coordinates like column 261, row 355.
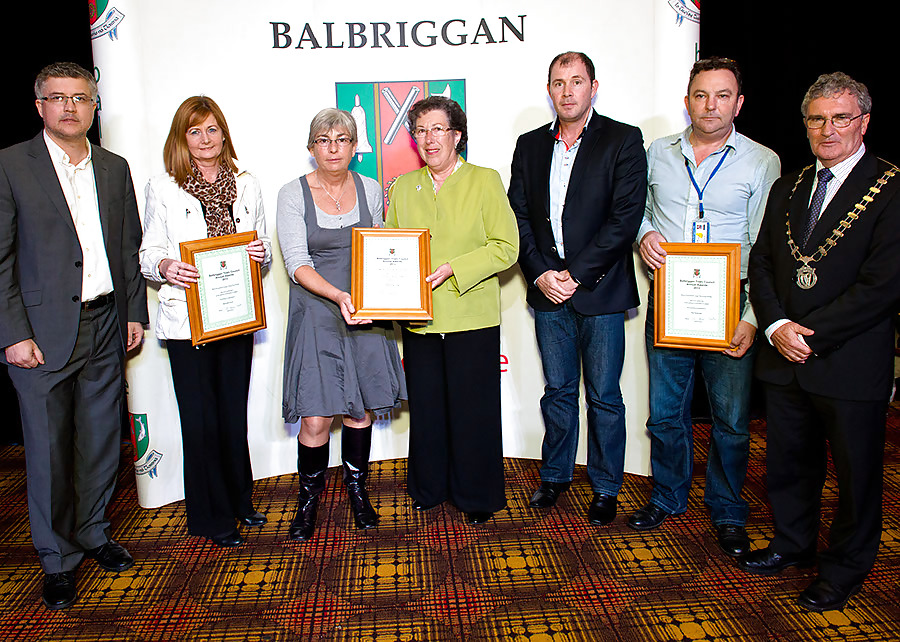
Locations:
column 211, row 384
column 72, row 423
column 455, row 439
column 799, row 425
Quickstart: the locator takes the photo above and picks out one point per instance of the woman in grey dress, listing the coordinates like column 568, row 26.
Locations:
column 333, row 365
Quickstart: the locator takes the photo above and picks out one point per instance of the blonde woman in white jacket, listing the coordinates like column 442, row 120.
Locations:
column 203, row 194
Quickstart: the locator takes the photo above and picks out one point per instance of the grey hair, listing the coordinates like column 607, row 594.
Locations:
column 834, row 84
column 64, row 70
column 328, row 119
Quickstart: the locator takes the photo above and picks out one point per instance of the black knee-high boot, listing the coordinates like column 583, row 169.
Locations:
column 355, row 446
column 312, row 462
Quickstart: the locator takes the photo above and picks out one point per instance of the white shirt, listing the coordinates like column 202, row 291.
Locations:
column 560, row 172
column 80, row 189
column 840, row 173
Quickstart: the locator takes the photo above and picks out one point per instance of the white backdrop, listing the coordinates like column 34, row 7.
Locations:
column 151, row 56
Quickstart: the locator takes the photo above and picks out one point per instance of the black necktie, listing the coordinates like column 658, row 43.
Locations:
column 815, row 205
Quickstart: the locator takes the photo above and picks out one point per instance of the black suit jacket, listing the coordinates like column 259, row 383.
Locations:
column 602, row 214
column 41, row 258
column 851, row 306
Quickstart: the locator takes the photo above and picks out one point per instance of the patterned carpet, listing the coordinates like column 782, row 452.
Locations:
column 528, row 575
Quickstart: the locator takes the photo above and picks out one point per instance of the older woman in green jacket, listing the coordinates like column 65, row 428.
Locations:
column 453, row 362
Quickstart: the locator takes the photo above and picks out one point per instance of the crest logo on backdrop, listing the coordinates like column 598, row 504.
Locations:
column 386, row 148
column 140, row 438
column 110, row 22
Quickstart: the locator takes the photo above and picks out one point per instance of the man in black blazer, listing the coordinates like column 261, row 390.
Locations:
column 578, row 187
column 825, row 283
column 72, row 301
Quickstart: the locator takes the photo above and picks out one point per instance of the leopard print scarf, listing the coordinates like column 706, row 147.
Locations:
column 217, row 199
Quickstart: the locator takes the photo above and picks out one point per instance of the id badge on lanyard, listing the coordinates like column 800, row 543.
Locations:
column 700, row 229
column 700, row 226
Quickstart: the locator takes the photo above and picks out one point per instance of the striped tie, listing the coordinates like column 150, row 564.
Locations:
column 815, row 205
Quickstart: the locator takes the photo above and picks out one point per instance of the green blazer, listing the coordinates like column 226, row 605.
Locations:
column 473, row 229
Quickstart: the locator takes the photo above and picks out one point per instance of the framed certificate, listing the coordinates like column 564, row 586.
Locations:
column 697, row 295
column 389, row 270
column 227, row 300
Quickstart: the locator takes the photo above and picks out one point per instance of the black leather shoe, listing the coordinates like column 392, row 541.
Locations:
column 767, row 562
column 228, row 540
column 112, row 556
column 423, row 506
column 478, row 517
column 647, row 518
column 602, row 510
column 547, row 494
column 732, row 539
column 59, row 590
column 253, row 519
column 822, row 595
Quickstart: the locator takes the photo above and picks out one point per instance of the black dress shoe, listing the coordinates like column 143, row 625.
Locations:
column 253, row 519
column 767, row 562
column 547, row 494
column 478, row 517
column 822, row 595
column 647, row 518
column 112, row 556
column 732, row 539
column 423, row 506
column 59, row 590
column 602, row 510
column 228, row 540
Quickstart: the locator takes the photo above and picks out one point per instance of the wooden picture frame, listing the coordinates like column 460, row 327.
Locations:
column 227, row 301
column 697, row 296
column 389, row 267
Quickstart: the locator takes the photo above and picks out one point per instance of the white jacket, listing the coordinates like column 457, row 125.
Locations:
column 173, row 216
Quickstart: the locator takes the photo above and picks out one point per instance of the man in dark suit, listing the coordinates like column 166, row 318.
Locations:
column 825, row 283
column 577, row 188
column 72, row 301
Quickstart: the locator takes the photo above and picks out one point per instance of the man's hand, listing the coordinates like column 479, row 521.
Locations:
column 741, row 341
column 440, row 275
column 650, row 250
column 557, row 286
column 788, row 340
column 135, row 332
column 25, row 354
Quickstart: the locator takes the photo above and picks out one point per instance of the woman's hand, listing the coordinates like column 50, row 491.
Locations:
column 257, row 251
column 345, row 304
column 440, row 275
column 178, row 273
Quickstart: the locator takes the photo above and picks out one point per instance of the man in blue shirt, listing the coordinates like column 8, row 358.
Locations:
column 707, row 183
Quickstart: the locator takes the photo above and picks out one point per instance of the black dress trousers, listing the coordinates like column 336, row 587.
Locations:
column 455, row 438
column 212, row 382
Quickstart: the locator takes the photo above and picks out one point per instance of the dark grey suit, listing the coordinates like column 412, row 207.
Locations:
column 72, row 404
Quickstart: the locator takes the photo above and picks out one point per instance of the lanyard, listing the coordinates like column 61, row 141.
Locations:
column 694, row 183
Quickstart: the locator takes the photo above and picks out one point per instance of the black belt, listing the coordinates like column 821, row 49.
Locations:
column 100, row 302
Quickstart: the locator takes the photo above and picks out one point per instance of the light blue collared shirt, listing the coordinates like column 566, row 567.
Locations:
column 734, row 200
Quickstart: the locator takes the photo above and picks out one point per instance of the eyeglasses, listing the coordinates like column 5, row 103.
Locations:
column 840, row 121
column 60, row 99
column 324, row 142
column 438, row 131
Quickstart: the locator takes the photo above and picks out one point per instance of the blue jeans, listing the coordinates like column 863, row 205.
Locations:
column 570, row 343
column 671, row 435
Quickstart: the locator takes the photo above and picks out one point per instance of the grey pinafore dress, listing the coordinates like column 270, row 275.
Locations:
column 331, row 368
